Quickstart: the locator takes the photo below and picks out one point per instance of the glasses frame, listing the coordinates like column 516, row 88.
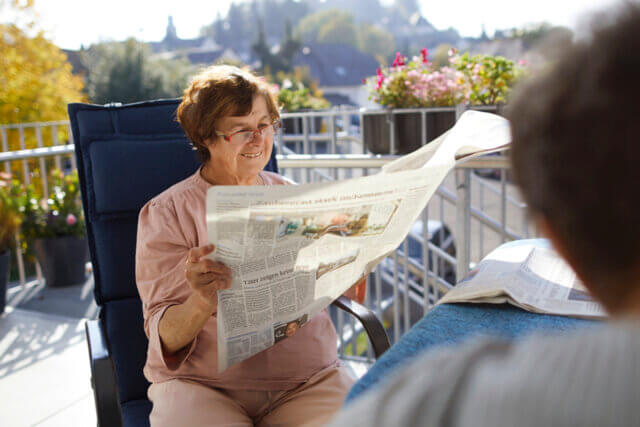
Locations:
column 277, row 125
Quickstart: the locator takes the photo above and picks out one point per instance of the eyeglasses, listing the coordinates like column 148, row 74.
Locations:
column 246, row 136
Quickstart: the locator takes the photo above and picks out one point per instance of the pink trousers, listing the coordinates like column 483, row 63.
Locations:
column 314, row 403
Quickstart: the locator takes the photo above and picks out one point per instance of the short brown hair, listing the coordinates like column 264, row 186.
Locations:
column 575, row 151
column 216, row 92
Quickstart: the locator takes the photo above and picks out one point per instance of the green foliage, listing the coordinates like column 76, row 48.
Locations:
column 338, row 26
column 479, row 79
column 58, row 215
column 300, row 98
column 339, row 30
column 309, row 27
column 281, row 61
column 297, row 91
column 36, row 83
column 10, row 210
column 490, row 78
column 125, row 72
column 375, row 41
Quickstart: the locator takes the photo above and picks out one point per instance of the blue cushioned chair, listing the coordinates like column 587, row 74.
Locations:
column 126, row 154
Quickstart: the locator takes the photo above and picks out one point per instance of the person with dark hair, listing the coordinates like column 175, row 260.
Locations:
column 231, row 117
column 574, row 153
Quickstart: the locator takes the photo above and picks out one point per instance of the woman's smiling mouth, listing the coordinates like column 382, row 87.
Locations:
column 252, row 155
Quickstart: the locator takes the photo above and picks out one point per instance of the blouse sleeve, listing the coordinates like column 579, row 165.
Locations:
column 161, row 253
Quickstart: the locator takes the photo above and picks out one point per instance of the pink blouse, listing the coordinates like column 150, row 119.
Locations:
column 169, row 225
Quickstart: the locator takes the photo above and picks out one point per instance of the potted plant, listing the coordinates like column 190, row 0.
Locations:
column 10, row 219
column 411, row 84
column 476, row 80
column 489, row 78
column 298, row 98
column 297, row 92
column 56, row 230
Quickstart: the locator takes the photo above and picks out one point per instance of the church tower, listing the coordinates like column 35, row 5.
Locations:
column 171, row 31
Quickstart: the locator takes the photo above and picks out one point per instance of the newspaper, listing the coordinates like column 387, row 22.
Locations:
column 529, row 276
column 294, row 249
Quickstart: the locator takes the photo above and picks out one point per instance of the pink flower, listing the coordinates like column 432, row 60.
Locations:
column 380, row 79
column 523, row 63
column 399, row 61
column 71, row 219
column 424, row 52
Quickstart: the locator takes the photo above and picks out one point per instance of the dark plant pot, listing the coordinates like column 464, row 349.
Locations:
column 407, row 130
column 4, row 276
column 293, row 125
column 62, row 259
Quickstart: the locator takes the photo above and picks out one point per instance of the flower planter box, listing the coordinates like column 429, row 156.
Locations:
column 62, row 259
column 376, row 132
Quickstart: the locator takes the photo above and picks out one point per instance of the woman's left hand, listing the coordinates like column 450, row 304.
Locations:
column 358, row 291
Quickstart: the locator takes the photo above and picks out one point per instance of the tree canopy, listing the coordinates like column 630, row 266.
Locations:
column 125, row 72
column 337, row 26
column 36, row 83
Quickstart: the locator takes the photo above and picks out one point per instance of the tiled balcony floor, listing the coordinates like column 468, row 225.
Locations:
column 44, row 362
column 44, row 368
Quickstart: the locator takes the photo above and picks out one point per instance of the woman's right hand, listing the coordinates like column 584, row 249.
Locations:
column 206, row 277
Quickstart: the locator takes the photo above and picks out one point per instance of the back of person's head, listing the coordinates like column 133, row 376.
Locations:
column 576, row 151
column 216, row 92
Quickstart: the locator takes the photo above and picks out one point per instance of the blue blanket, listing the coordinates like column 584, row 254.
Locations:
column 452, row 323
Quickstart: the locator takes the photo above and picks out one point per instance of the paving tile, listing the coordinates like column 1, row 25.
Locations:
column 44, row 370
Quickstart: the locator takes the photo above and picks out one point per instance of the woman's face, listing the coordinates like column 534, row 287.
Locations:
column 238, row 164
column 291, row 329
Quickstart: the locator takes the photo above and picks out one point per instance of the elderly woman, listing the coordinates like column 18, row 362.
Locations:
column 231, row 117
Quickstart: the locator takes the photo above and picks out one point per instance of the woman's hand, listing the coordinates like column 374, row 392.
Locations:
column 206, row 277
column 358, row 291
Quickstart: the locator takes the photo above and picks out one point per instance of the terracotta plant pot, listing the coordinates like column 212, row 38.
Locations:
column 62, row 259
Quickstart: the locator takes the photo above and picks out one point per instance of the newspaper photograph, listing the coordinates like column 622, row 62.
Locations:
column 529, row 276
column 294, row 249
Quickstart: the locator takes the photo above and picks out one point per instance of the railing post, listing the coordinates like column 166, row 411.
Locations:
column 5, row 148
column 391, row 119
column 20, row 260
column 463, row 221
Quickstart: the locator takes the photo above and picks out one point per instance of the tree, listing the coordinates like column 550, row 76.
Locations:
column 309, row 28
column 125, row 72
column 376, row 41
column 36, row 83
column 282, row 59
column 407, row 7
column 339, row 30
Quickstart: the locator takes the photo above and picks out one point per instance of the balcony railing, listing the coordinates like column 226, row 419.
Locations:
column 467, row 217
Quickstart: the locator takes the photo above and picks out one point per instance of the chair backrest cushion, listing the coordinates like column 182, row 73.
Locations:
column 125, row 156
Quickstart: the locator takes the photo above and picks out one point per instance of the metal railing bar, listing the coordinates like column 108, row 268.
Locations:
column 33, row 124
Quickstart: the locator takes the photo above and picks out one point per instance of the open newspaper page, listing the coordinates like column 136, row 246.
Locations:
column 295, row 249
column 529, row 276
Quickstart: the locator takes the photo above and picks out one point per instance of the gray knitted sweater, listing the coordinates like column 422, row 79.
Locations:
column 588, row 378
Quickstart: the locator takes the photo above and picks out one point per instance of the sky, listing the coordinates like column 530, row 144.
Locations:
column 70, row 23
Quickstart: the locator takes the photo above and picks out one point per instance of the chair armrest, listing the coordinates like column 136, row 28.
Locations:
column 372, row 325
column 103, row 377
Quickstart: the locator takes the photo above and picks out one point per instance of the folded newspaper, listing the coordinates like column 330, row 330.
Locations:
column 295, row 249
column 529, row 275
